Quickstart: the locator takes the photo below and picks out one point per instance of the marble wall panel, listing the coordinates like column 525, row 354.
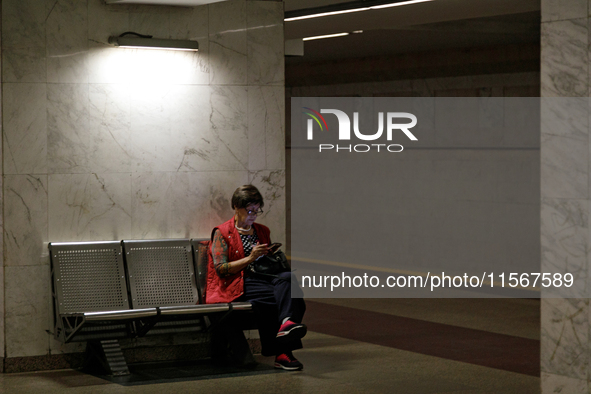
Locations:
column 25, row 214
column 565, row 117
column 564, row 165
column 25, row 128
column 565, row 58
column 189, row 205
column 24, row 64
column 200, row 146
column 564, row 240
column 189, row 23
column 67, row 42
column 110, row 144
column 555, row 10
column 564, row 227
column 153, row 21
column 105, row 21
column 173, row 67
column 202, row 200
column 183, row 204
column 257, row 122
column 67, row 123
column 27, row 289
column 565, row 337
column 265, row 43
column 23, row 23
column 153, row 148
column 150, row 205
column 193, row 24
column 266, row 128
column 228, row 43
column 271, row 184
column 89, row 207
column 229, row 122
column 55, row 346
column 553, row 383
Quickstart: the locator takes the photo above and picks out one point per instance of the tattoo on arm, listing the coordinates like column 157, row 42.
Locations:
column 219, row 251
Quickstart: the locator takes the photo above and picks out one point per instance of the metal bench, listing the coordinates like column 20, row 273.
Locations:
column 105, row 291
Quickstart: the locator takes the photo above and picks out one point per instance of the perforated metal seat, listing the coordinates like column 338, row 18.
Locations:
column 162, row 275
column 90, row 291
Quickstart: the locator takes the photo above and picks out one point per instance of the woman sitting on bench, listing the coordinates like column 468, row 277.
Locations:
column 237, row 243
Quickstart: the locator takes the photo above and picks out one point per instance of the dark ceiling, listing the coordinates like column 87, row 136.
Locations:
column 430, row 26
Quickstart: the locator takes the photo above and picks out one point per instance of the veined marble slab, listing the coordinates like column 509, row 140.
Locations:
column 25, row 128
column 555, row 10
column 271, row 184
column 25, row 215
column 565, row 243
column 565, row 337
column 67, row 123
column 89, row 207
column 228, row 43
column 266, row 130
column 27, row 289
column 565, row 71
column 67, row 42
column 265, row 43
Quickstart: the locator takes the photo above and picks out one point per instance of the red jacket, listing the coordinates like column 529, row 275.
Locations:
column 229, row 288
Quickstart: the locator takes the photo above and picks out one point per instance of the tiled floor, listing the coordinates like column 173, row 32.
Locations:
column 351, row 362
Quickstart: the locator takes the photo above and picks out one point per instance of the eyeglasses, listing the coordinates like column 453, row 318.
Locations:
column 251, row 213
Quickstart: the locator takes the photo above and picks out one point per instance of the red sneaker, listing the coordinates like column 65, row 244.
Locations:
column 288, row 362
column 290, row 331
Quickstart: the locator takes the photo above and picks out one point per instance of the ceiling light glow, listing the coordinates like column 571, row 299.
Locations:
column 297, row 18
column 323, row 10
column 325, row 36
column 377, row 7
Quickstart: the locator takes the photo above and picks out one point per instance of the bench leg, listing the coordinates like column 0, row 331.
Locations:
column 107, row 357
column 231, row 345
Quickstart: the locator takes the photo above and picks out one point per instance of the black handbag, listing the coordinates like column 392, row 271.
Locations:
column 270, row 264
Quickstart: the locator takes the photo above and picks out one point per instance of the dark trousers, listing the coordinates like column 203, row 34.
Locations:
column 272, row 301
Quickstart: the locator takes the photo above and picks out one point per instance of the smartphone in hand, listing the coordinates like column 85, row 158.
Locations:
column 274, row 247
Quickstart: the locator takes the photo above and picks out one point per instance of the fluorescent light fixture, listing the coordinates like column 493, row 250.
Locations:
column 297, row 18
column 325, row 36
column 139, row 41
column 378, row 7
column 345, row 8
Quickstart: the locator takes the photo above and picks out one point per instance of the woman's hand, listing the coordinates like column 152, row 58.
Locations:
column 259, row 250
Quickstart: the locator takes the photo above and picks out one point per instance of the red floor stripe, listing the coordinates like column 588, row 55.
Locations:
column 477, row 347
